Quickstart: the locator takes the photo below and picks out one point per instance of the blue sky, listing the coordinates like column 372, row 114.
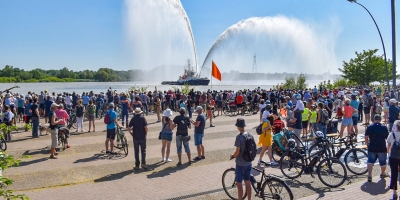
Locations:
column 90, row 34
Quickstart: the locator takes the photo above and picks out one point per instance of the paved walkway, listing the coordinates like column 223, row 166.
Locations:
column 84, row 172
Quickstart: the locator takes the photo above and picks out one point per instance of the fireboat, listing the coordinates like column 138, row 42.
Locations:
column 189, row 77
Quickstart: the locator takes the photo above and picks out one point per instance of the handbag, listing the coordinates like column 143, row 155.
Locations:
column 159, row 135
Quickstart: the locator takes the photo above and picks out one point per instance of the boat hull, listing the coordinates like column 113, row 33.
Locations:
column 190, row 82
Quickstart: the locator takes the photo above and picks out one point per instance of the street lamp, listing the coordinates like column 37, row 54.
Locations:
column 383, row 44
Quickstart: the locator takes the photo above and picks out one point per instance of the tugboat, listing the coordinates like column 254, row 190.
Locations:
column 189, row 77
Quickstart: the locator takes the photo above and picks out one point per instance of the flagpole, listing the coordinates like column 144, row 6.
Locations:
column 211, row 76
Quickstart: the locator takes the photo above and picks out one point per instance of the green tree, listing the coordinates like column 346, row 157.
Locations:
column 24, row 75
column 365, row 68
column 7, row 71
column 301, row 82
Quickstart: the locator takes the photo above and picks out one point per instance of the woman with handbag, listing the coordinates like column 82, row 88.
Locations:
column 166, row 135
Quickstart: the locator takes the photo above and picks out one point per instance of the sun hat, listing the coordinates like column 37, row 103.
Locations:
column 54, row 105
column 240, row 123
column 167, row 113
column 392, row 101
column 199, row 108
column 138, row 111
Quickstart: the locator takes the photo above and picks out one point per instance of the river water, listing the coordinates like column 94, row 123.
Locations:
column 98, row 87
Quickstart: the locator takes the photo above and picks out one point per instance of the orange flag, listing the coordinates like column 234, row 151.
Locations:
column 215, row 72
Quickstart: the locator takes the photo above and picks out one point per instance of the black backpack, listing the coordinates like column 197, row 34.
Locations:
column 183, row 124
column 5, row 119
column 250, row 148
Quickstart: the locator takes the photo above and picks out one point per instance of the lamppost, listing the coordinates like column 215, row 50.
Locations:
column 383, row 44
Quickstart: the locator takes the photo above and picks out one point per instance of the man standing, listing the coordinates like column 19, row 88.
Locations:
column 111, row 129
column 243, row 167
column 47, row 108
column 393, row 112
column 367, row 106
column 375, row 138
column 182, row 135
column 125, row 110
column 355, row 103
column 199, row 126
column 298, row 126
column 138, row 129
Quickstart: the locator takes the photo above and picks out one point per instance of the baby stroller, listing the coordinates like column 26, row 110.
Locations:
column 332, row 126
column 279, row 143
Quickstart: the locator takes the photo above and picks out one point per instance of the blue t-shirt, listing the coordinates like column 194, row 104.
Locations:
column 85, row 100
column 307, row 96
column 28, row 111
column 355, row 104
column 47, row 105
column 125, row 106
column 182, row 105
column 290, row 104
column 113, row 115
column 202, row 125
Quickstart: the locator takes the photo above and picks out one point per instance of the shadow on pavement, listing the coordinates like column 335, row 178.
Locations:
column 321, row 191
column 375, row 188
column 36, row 152
column 112, row 177
column 93, row 158
column 25, row 163
column 167, row 171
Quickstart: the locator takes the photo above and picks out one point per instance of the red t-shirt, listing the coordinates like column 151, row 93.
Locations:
column 239, row 99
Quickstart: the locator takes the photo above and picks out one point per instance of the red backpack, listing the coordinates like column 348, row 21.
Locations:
column 278, row 126
column 107, row 118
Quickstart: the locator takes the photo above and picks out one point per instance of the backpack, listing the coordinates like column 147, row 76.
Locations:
column 250, row 148
column 107, row 118
column 91, row 109
column 182, row 127
column 259, row 129
column 370, row 101
column 79, row 111
column 278, row 126
column 324, row 117
column 395, row 151
column 378, row 108
column 5, row 119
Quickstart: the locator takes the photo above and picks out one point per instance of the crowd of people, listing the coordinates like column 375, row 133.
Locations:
column 302, row 111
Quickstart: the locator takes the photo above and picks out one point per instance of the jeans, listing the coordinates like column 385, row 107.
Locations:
column 142, row 145
column 35, row 126
column 394, row 164
column 179, row 142
column 125, row 115
column 189, row 109
column 322, row 127
column 145, row 108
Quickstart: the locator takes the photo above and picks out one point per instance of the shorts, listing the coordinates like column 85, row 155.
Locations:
column 41, row 106
column 111, row 133
column 355, row 120
column 372, row 156
column 219, row 104
column 198, row 139
column 179, row 142
column 166, row 136
column 21, row 111
column 54, row 138
column 347, row 122
column 367, row 110
column 91, row 117
column 304, row 124
column 242, row 173
column 239, row 105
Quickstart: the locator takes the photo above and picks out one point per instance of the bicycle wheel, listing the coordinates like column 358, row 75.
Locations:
column 332, row 172
column 124, row 143
column 314, row 149
column 356, row 161
column 3, row 144
column 292, row 166
column 229, row 184
column 276, row 152
column 276, row 189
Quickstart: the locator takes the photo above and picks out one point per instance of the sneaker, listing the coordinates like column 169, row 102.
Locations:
column 212, row 125
column 107, row 152
column 385, row 175
column 144, row 166
column 203, row 157
column 259, row 162
column 83, row 131
column 168, row 160
column 53, row 157
column 136, row 168
column 163, row 160
column 179, row 164
column 197, row 159
column 369, row 178
column 273, row 163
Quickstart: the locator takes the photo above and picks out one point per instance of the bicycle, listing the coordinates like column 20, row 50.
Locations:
column 71, row 121
column 330, row 167
column 269, row 187
column 63, row 136
column 353, row 159
column 122, row 142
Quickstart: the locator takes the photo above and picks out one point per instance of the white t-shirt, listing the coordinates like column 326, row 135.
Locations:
column 68, row 100
column 261, row 106
column 340, row 93
column 299, row 105
column 390, row 138
column 265, row 114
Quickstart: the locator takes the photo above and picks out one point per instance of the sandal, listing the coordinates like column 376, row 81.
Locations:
column 53, row 157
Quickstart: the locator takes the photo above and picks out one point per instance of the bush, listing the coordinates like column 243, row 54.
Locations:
column 8, row 80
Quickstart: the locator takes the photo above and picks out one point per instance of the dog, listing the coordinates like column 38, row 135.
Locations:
column 44, row 127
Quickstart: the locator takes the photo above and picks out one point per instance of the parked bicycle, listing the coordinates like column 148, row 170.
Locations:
column 355, row 159
column 269, row 187
column 63, row 135
column 71, row 121
column 331, row 171
column 230, row 108
column 122, row 142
